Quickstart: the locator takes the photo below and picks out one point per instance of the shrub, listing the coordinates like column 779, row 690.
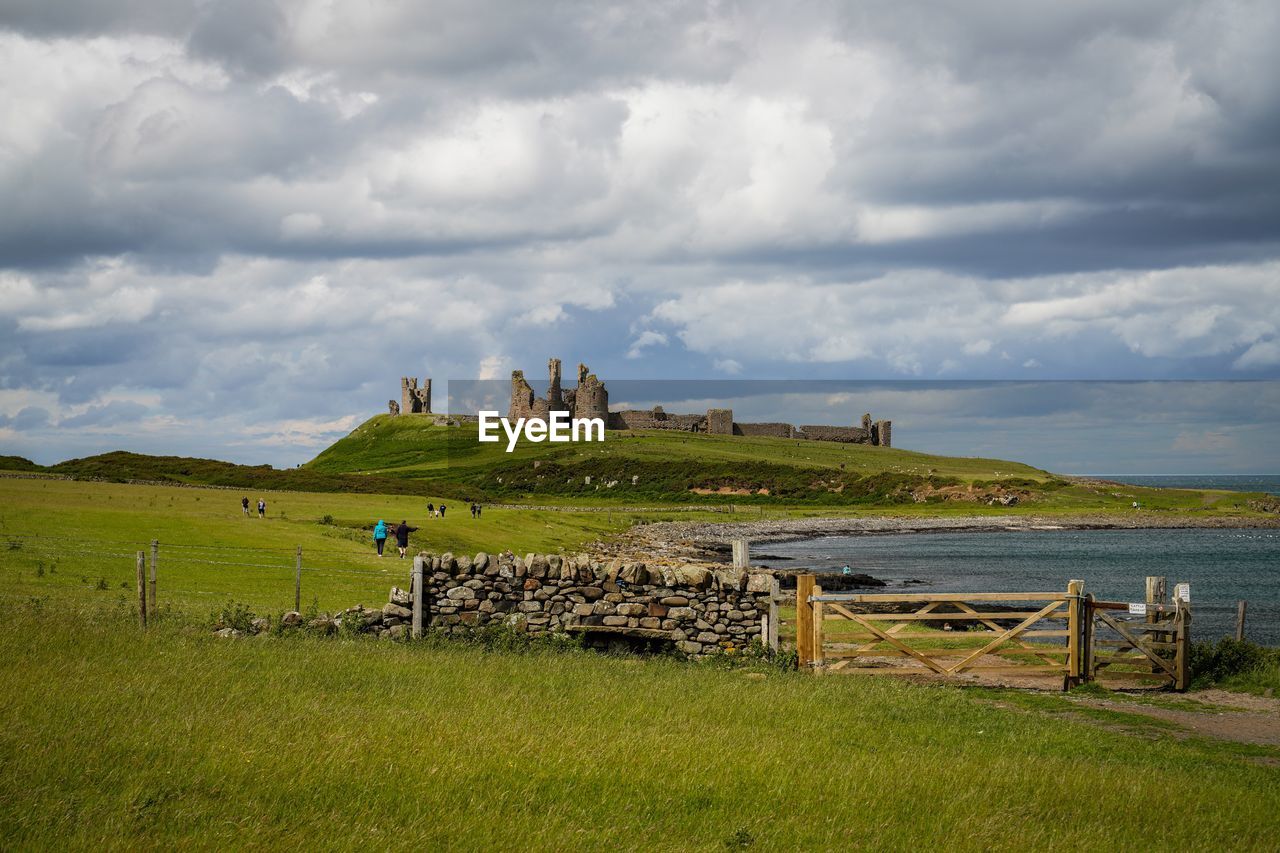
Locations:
column 1215, row 662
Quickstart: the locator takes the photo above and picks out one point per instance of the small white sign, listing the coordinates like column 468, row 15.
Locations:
column 1182, row 592
column 1137, row 609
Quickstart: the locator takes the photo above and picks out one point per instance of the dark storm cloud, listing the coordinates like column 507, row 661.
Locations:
column 250, row 218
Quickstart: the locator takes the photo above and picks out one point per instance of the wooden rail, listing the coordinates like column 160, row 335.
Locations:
column 1056, row 634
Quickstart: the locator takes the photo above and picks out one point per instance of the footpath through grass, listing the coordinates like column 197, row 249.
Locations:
column 113, row 739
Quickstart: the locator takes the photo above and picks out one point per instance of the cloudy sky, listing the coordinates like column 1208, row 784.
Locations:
column 230, row 226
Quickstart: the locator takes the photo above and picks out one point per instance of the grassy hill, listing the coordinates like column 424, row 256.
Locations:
column 659, row 465
column 662, row 467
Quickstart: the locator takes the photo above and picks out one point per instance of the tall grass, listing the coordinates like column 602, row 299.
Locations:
column 109, row 738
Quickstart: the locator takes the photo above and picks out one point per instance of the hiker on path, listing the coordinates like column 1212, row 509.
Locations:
column 380, row 535
column 402, row 536
column 244, row 505
column 262, row 508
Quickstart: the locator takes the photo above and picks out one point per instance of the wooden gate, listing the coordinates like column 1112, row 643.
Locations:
column 1150, row 646
column 1066, row 635
column 990, row 633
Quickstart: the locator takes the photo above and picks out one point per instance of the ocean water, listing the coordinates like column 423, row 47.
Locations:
column 1269, row 483
column 1222, row 566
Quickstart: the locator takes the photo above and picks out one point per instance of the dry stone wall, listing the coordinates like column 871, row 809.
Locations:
column 699, row 610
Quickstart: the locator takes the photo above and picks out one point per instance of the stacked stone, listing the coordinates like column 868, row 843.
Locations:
column 699, row 609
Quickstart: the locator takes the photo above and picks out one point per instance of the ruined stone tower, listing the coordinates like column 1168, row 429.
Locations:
column 591, row 398
column 414, row 400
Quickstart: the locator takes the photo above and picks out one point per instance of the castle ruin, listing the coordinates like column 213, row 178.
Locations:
column 590, row 399
column 413, row 400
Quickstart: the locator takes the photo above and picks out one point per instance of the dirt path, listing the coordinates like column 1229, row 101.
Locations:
column 1252, row 719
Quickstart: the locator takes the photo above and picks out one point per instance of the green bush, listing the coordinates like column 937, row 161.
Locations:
column 1212, row 663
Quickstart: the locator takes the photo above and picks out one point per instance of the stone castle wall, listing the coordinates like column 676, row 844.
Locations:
column 771, row 430
column 699, row 610
column 847, row 435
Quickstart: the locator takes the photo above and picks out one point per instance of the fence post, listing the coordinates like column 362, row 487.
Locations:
column 771, row 638
column 1075, row 593
column 804, row 621
column 818, row 616
column 1182, row 657
column 297, row 581
column 142, row 590
column 741, row 552
column 1086, row 653
column 155, row 553
column 418, row 595
column 1241, row 607
column 1157, row 589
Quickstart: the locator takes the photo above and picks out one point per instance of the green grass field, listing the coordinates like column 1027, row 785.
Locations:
column 176, row 739
column 114, row 738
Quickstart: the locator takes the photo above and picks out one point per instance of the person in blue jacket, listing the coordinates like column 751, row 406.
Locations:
column 380, row 535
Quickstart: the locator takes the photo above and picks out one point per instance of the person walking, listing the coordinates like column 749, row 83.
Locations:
column 431, row 510
column 262, row 508
column 402, row 536
column 478, row 509
column 380, row 535
column 442, row 510
column 473, row 510
column 244, row 505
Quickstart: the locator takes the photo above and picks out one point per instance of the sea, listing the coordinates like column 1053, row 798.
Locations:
column 1269, row 483
column 1222, row 566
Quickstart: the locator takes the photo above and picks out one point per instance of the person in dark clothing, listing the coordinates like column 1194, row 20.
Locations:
column 473, row 510
column 431, row 510
column 442, row 510
column 244, row 505
column 402, row 536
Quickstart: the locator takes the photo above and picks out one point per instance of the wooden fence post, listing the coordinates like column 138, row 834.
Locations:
column 155, row 553
column 418, row 596
column 771, row 636
column 818, row 659
column 741, row 553
column 1075, row 593
column 1157, row 590
column 1182, row 657
column 1241, row 607
column 297, row 581
column 804, row 621
column 1086, row 653
column 142, row 590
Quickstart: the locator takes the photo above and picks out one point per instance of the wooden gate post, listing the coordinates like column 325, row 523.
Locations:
column 1087, row 651
column 297, row 581
column 1182, row 657
column 1157, row 590
column 804, row 621
column 418, row 596
column 818, row 615
column 1241, row 607
column 142, row 590
column 1075, row 633
column 155, row 553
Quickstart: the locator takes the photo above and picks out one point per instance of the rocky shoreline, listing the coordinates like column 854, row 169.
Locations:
column 710, row 541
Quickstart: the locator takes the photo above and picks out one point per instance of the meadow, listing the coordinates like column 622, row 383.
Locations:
column 113, row 738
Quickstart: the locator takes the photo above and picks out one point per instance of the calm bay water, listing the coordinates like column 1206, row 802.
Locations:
column 1222, row 566
column 1269, row 483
